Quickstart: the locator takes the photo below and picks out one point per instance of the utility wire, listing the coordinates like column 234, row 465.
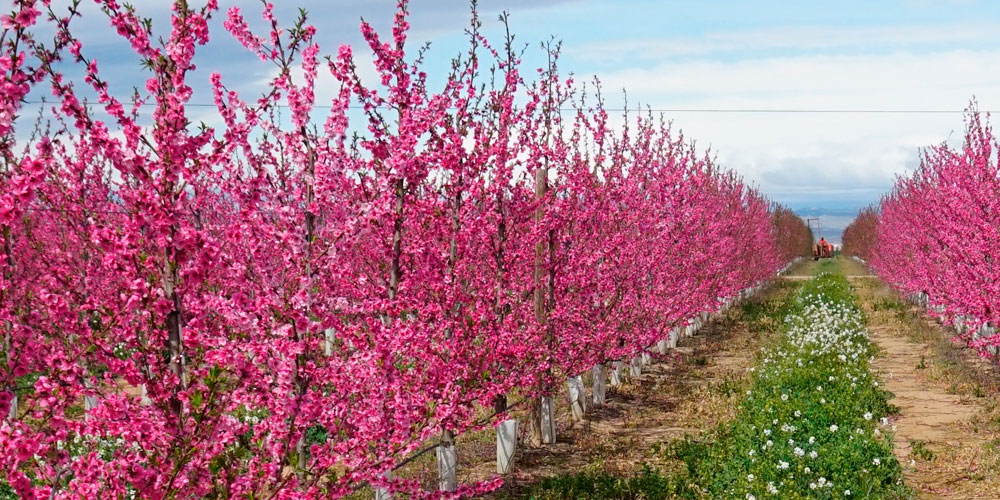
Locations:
column 658, row 110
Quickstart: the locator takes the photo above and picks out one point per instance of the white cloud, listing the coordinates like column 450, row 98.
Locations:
column 829, row 156
column 900, row 79
column 789, row 38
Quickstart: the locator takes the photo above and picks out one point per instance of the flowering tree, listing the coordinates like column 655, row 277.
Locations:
column 794, row 237
column 937, row 232
column 860, row 235
column 289, row 304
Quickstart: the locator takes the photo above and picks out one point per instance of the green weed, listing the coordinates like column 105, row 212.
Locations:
column 920, row 450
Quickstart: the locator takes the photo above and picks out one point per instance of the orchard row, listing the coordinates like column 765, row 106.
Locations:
column 291, row 302
column 936, row 236
column 814, row 423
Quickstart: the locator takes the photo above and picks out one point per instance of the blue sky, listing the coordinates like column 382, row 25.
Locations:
column 692, row 55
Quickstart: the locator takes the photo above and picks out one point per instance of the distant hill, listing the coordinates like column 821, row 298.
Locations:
column 832, row 220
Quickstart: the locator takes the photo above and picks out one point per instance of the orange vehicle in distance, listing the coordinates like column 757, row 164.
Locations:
column 822, row 250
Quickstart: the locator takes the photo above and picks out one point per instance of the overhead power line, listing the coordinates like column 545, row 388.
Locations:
column 806, row 111
column 663, row 110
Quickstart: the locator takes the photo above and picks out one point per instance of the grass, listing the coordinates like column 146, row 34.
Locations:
column 6, row 492
column 971, row 466
column 811, row 417
column 920, row 450
column 647, row 484
column 651, row 473
column 810, row 425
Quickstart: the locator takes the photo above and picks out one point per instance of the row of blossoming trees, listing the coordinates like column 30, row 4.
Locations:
column 860, row 235
column 290, row 303
column 793, row 238
column 936, row 236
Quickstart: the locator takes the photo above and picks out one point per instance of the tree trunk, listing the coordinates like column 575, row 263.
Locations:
column 506, row 437
column 89, row 402
column 382, row 493
column 577, row 398
column 600, row 373
column 506, row 445
column 548, row 420
column 635, row 368
column 447, row 462
column 540, row 434
column 394, row 275
column 175, row 344
column 12, row 412
column 616, row 374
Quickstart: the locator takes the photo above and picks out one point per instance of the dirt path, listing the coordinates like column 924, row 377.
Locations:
column 947, row 429
column 691, row 390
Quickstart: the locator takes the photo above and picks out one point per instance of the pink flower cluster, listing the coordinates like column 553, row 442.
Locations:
column 938, row 234
column 17, row 74
column 276, row 309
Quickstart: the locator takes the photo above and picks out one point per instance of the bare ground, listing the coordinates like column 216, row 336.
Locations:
column 693, row 389
column 948, row 427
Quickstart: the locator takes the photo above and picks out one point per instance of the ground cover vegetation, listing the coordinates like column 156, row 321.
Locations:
column 814, row 422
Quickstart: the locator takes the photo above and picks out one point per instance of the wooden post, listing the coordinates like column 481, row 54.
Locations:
column 542, row 411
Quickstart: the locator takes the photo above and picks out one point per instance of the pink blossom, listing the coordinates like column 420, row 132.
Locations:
column 299, row 310
column 936, row 233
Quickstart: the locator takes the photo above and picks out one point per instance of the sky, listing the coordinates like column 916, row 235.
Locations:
column 742, row 59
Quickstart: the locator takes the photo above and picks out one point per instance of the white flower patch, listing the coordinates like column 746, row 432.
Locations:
column 792, row 450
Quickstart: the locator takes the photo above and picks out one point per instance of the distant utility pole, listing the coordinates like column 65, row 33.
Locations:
column 819, row 229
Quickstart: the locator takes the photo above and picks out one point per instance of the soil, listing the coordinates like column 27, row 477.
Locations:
column 689, row 391
column 947, row 427
column 947, row 430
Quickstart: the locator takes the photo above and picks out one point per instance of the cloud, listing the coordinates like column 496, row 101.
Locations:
column 818, row 158
column 898, row 79
column 794, row 39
